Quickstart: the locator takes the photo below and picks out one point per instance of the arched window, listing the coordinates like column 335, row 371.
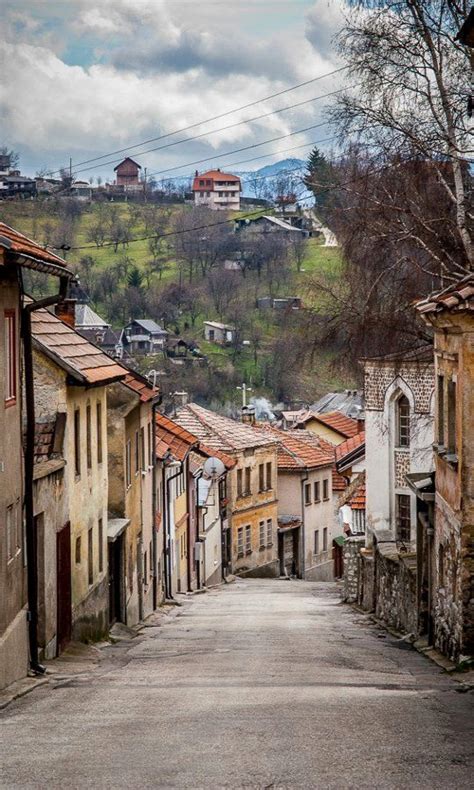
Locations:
column 403, row 421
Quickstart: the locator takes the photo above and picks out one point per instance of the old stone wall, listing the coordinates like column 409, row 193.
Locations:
column 366, row 587
column 352, row 565
column 448, row 609
column 395, row 590
column 380, row 375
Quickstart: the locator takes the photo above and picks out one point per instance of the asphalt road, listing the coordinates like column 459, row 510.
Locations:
column 261, row 684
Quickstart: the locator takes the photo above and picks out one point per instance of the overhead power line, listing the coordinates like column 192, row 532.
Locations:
column 209, row 120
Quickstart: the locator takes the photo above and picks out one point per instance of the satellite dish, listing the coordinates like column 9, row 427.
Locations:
column 213, row 468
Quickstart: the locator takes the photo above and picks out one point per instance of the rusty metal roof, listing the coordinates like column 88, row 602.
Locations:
column 67, row 348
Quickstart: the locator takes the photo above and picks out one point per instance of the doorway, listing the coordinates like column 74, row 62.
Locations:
column 115, row 579
column 63, row 587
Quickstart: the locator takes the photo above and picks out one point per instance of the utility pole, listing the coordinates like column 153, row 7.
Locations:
column 144, row 186
column 70, row 171
column 244, row 389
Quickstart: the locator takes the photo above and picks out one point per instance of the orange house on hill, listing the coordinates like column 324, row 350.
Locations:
column 217, row 190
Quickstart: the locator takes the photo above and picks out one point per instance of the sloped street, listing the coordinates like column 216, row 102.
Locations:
column 260, row 684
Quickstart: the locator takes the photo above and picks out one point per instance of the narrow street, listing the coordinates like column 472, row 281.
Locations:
column 261, row 684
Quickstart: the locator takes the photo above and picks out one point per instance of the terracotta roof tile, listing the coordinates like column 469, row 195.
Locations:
column 22, row 245
column 68, row 349
column 145, row 390
column 346, row 426
column 172, row 439
column 350, row 445
column 357, row 500
column 339, row 483
column 458, row 296
column 295, row 453
column 219, row 432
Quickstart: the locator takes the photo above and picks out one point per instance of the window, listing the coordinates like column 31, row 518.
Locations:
column 269, row 532
column 99, row 432
column 452, row 416
column 269, row 476
column 262, row 534
column 317, row 492
column 137, row 453
column 307, row 493
column 325, row 539
column 316, row 541
column 78, row 550
column 261, row 477
column 248, row 488
column 10, row 357
column 248, row 539
column 88, row 436
column 403, row 422
column 326, row 489
column 240, row 542
column 90, row 555
column 143, row 448
column 150, row 445
column 403, row 503
column 77, row 441
column 101, row 545
column 128, row 464
column 440, row 404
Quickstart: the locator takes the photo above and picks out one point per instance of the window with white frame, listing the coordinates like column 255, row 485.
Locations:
column 403, row 421
column 240, row 542
column 10, row 357
column 262, row 534
column 269, row 532
column 248, row 539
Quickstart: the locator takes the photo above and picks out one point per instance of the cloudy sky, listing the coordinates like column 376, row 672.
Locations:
column 82, row 78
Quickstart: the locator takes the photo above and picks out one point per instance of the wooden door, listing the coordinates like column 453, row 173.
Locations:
column 63, row 585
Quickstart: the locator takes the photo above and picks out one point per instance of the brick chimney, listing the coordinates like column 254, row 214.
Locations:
column 66, row 311
column 247, row 415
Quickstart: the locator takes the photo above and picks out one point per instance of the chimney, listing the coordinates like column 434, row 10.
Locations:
column 180, row 399
column 66, row 311
column 247, row 415
column 196, row 174
column 361, row 424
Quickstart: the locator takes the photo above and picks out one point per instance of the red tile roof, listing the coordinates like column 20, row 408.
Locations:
column 22, row 245
column 339, row 483
column 349, row 445
column 295, row 453
column 459, row 296
column 226, row 459
column 213, row 175
column 144, row 389
column 357, row 500
column 67, row 348
column 172, row 439
column 338, row 422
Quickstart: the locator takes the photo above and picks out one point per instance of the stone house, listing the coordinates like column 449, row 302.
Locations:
column 18, row 609
column 71, row 379
column 398, row 438
column 251, row 488
column 450, row 313
column 306, row 524
column 134, row 576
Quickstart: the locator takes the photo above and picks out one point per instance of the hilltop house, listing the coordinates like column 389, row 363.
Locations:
column 215, row 332
column 127, row 175
column 18, row 609
column 143, row 336
column 251, row 539
column 216, row 190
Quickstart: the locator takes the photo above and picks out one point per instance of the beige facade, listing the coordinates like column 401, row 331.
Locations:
column 13, row 587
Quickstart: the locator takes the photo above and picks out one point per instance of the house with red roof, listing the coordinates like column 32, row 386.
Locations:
column 307, row 528
column 217, row 190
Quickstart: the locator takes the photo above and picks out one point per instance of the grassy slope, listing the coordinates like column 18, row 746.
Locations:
column 324, row 262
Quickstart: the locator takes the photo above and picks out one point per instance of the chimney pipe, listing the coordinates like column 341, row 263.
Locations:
column 180, row 398
column 66, row 311
column 247, row 415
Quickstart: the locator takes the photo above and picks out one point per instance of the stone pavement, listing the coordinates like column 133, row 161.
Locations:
column 263, row 684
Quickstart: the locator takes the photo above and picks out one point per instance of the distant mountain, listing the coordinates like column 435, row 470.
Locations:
column 292, row 167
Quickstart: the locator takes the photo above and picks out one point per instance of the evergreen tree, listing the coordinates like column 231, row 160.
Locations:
column 319, row 177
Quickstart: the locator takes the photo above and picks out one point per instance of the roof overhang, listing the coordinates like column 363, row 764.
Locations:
column 46, row 267
column 422, row 485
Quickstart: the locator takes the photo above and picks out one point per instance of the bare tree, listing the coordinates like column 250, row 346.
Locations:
column 298, row 246
column 202, row 240
column 410, row 102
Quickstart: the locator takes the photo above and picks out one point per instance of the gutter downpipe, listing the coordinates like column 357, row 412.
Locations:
column 167, row 539
column 31, row 543
column 303, row 526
